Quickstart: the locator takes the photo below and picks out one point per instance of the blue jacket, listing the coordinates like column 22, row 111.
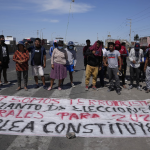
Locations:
column 51, row 49
column 32, row 50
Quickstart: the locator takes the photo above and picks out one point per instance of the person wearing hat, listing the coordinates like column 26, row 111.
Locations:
column 58, row 63
column 147, row 69
column 72, row 60
column 53, row 47
column 21, row 57
column 4, row 59
column 136, row 57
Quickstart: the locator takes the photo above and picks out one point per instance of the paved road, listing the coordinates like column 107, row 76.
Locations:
column 11, row 142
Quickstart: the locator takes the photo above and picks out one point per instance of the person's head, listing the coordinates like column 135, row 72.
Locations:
column 60, row 44
column 99, row 43
column 111, row 46
column 88, row 42
column 70, row 45
column 2, row 39
column 21, row 46
column 123, row 44
column 55, row 43
column 117, row 45
column 37, row 42
column 137, row 46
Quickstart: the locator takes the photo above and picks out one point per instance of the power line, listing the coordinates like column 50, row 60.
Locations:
column 141, row 19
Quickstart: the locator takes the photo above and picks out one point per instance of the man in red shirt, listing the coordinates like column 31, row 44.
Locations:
column 123, row 53
column 88, row 42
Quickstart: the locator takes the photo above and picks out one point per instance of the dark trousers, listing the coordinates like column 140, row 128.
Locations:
column 112, row 73
column 105, row 71
column 25, row 77
column 123, row 71
column 132, row 72
column 142, row 73
column 101, row 76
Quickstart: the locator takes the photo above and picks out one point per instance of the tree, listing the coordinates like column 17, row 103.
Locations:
column 136, row 38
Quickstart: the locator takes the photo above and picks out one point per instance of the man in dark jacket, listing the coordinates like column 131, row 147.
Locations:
column 4, row 59
column 94, row 63
column 38, row 61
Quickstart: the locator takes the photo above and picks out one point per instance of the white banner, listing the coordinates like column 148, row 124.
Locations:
column 87, row 118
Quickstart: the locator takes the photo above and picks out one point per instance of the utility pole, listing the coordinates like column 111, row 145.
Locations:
column 130, row 29
column 37, row 33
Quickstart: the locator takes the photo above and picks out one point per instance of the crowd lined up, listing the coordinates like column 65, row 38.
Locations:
column 97, row 61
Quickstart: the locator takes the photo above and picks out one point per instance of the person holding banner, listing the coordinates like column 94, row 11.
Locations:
column 58, row 63
column 112, row 56
column 21, row 57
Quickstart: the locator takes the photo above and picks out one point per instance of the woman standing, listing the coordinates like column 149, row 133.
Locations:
column 58, row 61
column 21, row 57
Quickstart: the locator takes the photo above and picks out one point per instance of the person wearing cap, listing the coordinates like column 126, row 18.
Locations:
column 147, row 69
column 135, row 57
column 4, row 60
column 72, row 60
column 88, row 42
column 38, row 61
column 53, row 47
column 21, row 57
column 58, row 64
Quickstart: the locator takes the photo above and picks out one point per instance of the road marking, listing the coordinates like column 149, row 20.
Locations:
column 30, row 143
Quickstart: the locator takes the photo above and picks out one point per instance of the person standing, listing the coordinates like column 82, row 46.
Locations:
column 4, row 60
column 123, row 55
column 135, row 57
column 53, row 47
column 94, row 63
column 88, row 42
column 38, row 61
column 72, row 60
column 21, row 57
column 112, row 57
column 147, row 70
column 58, row 63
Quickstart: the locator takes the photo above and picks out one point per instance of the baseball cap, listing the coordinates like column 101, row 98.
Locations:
column 70, row 43
column 21, row 43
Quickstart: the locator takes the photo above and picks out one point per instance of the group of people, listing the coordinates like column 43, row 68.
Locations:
column 98, row 60
column 61, row 61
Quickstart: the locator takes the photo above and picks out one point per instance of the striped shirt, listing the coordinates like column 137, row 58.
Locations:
column 21, row 56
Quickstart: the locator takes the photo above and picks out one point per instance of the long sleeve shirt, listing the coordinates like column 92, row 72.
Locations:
column 59, row 57
column 22, row 57
column 72, row 59
column 136, row 57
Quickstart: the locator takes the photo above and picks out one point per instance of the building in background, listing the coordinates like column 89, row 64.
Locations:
column 145, row 41
column 9, row 40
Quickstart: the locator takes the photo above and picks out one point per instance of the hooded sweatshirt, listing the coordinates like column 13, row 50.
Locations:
column 122, row 50
column 97, row 49
column 52, row 48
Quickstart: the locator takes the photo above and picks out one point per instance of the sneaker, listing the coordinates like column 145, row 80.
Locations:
column 118, row 92
column 147, row 91
column 72, row 84
column 110, row 89
column 45, row 87
column 94, row 87
column 126, row 80
column 86, row 88
column 36, row 86
column 139, row 88
column 49, row 89
column 130, row 87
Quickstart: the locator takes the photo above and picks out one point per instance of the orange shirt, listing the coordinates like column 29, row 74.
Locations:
column 21, row 56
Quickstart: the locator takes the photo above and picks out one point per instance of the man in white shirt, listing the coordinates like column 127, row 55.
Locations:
column 135, row 57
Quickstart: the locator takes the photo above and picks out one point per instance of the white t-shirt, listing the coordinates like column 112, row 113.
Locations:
column 104, row 51
column 4, row 51
column 112, row 58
